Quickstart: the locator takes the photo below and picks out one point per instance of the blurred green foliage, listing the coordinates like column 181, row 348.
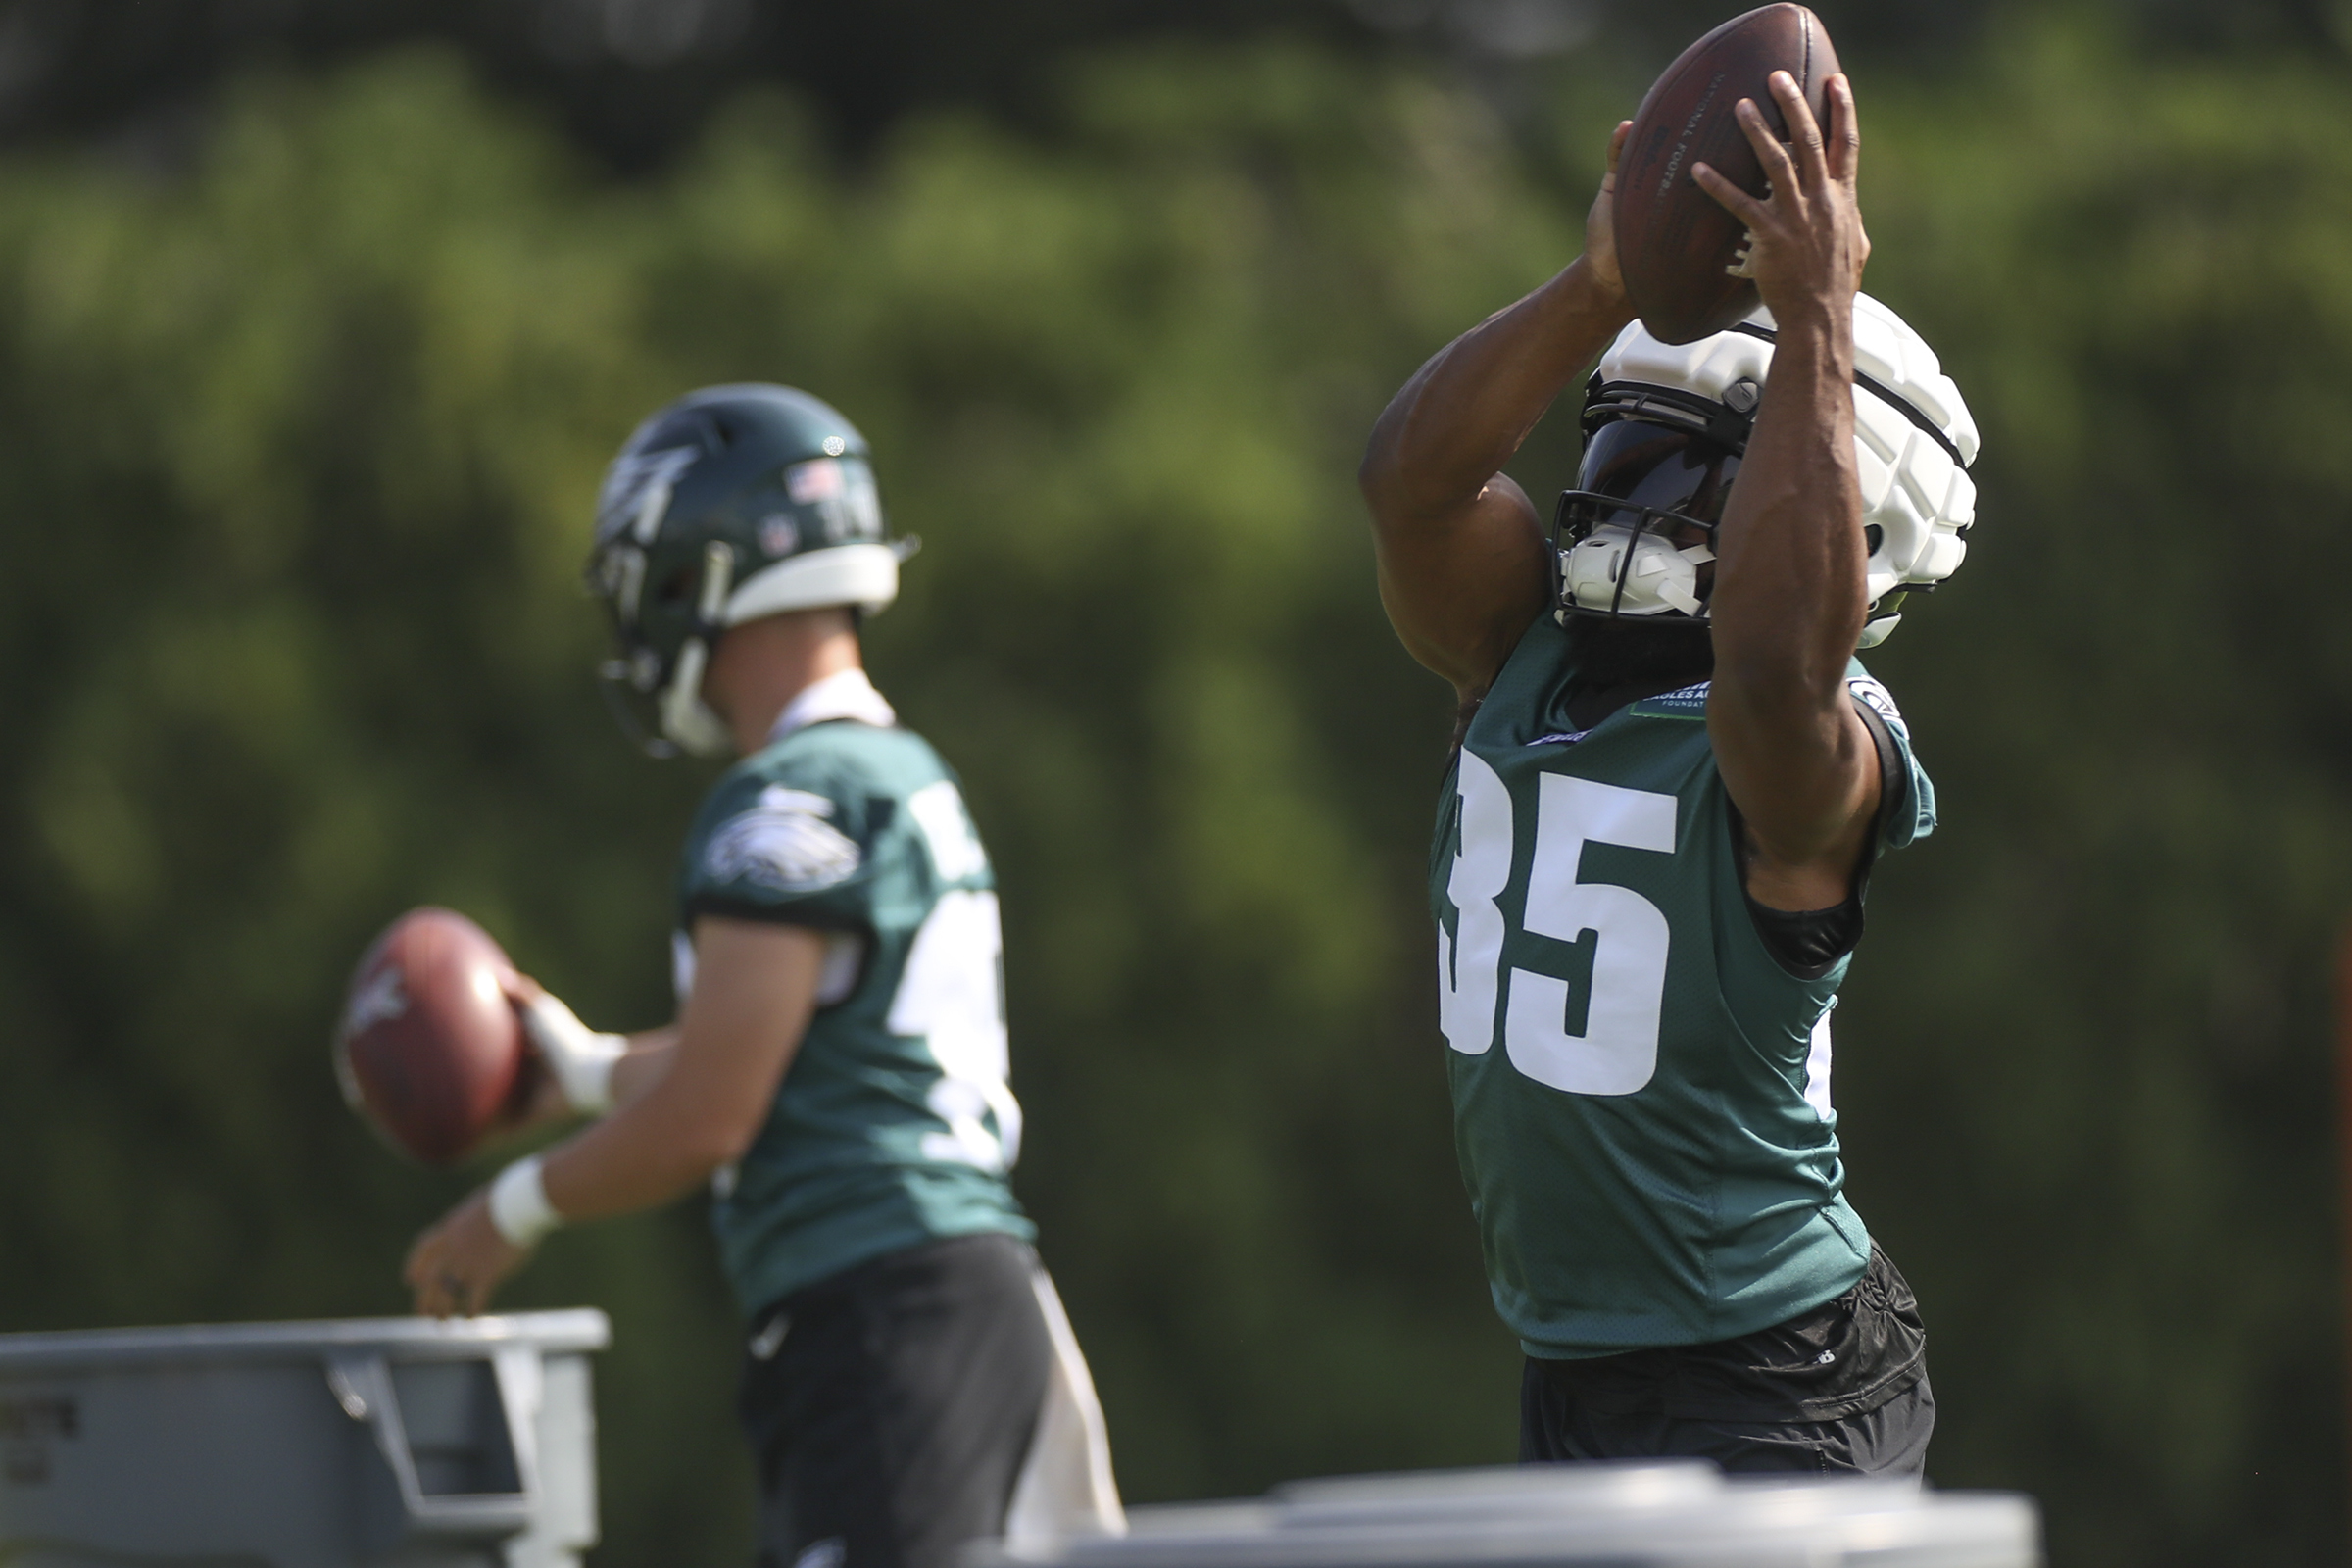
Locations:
column 301, row 444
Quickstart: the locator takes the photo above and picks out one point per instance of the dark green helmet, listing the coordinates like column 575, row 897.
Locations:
column 732, row 503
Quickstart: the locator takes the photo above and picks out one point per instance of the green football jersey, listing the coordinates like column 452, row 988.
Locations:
column 1640, row 1089
column 893, row 1123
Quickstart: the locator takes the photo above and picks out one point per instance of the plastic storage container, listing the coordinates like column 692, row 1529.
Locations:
column 392, row 1443
column 1661, row 1515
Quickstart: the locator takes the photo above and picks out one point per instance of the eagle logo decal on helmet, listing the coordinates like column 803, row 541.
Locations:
column 636, row 491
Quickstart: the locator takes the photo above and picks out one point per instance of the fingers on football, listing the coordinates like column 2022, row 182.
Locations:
column 1804, row 131
column 1780, row 173
column 1846, row 131
column 1617, row 145
column 1739, row 202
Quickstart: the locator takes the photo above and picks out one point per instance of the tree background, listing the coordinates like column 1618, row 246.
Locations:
column 317, row 324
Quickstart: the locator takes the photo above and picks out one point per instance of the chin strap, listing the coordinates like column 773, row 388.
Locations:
column 685, row 717
column 1615, row 570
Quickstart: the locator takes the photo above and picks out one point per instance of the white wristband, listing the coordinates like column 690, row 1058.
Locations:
column 518, row 1205
column 580, row 1059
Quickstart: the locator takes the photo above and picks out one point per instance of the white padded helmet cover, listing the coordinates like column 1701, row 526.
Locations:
column 1912, row 491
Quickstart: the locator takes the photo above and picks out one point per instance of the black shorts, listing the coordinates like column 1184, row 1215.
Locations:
column 1839, row 1390
column 891, row 1407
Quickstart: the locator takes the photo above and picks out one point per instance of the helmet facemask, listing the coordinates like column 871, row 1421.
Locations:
column 657, row 699
column 1635, row 540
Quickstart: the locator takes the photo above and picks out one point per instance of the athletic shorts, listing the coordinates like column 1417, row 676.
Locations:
column 890, row 1408
column 1890, row 1440
column 1839, row 1390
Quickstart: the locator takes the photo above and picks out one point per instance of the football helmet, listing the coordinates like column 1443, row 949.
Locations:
column 1665, row 428
column 733, row 503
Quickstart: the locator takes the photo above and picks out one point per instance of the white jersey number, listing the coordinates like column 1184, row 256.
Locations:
column 1617, row 1050
column 952, row 994
column 947, row 829
column 1467, row 963
column 951, row 997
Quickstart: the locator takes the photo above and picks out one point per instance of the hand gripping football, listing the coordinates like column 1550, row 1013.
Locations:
column 1682, row 257
column 430, row 1049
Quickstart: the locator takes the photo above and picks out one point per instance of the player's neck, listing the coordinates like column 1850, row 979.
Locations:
column 1623, row 661
column 763, row 665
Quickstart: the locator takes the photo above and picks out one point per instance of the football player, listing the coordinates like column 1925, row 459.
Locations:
column 1670, row 782
column 837, row 1070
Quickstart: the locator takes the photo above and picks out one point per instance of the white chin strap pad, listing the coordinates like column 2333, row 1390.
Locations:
column 686, row 719
column 1659, row 579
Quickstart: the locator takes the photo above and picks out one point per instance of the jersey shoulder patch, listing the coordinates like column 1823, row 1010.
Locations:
column 1867, row 689
column 785, row 842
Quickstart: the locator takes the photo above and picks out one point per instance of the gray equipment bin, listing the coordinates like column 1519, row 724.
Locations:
column 1667, row 1514
column 390, row 1442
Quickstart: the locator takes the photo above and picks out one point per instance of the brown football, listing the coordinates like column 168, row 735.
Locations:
column 1680, row 254
column 429, row 1049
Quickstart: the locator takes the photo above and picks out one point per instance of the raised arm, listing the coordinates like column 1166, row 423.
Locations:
column 1458, row 545
column 1789, row 577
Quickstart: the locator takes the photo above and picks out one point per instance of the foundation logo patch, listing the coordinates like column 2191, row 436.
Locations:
column 1691, row 702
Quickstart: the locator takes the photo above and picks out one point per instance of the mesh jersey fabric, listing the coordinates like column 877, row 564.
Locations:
column 895, row 1123
column 1641, row 1090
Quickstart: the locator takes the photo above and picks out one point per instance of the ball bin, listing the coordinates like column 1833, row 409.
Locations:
column 1680, row 1514
column 392, row 1443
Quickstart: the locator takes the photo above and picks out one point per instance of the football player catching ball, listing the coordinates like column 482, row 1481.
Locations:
column 1670, row 782
column 837, row 1071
